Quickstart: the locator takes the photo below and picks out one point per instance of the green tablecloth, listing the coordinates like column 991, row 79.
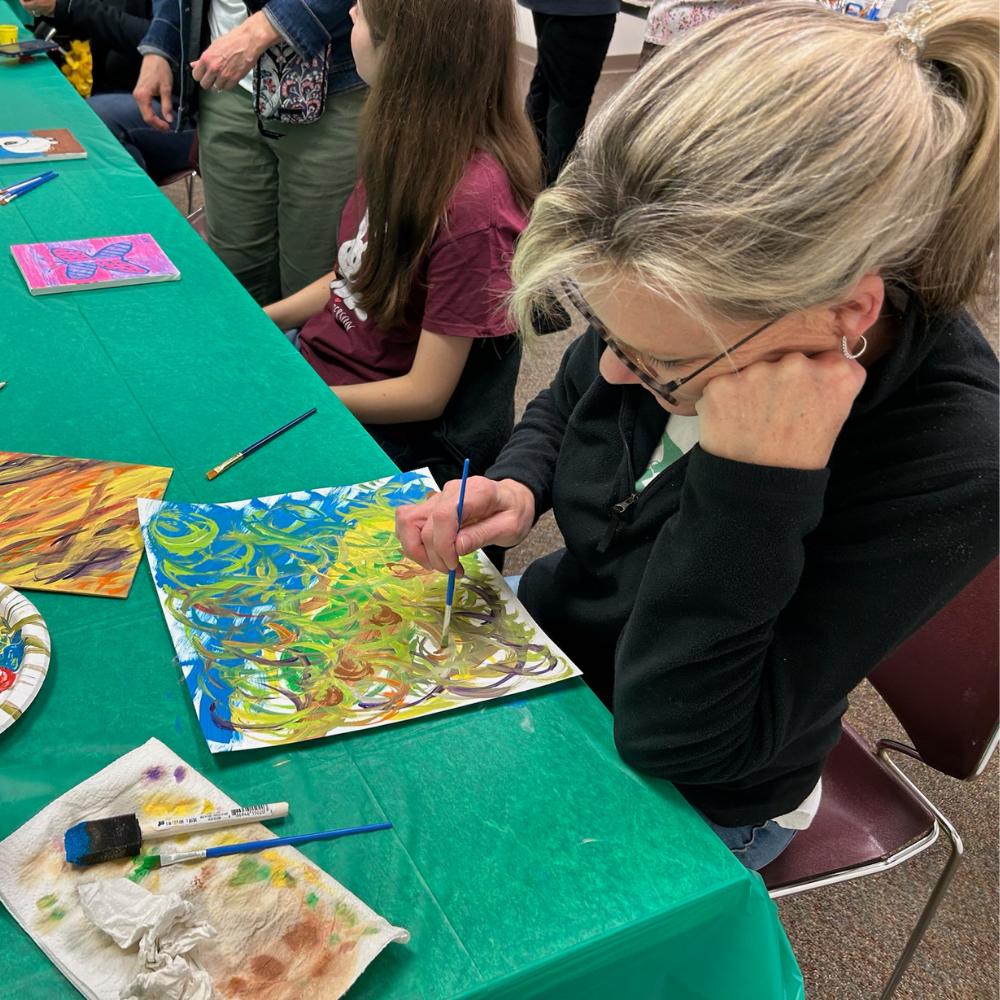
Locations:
column 526, row 859
column 21, row 16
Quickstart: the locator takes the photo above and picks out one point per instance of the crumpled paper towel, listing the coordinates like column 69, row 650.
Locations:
column 286, row 929
column 167, row 932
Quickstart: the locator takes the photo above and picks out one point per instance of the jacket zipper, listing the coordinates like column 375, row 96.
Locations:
column 619, row 509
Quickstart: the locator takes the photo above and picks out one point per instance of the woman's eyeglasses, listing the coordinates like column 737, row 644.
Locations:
column 634, row 361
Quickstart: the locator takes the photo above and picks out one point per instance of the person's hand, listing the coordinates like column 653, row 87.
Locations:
column 39, row 8
column 493, row 514
column 156, row 82
column 784, row 413
column 232, row 55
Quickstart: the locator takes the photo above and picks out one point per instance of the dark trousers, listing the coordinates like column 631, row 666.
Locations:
column 571, row 51
column 158, row 153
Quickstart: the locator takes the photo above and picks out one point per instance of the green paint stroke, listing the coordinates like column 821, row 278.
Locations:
column 250, row 871
column 148, row 864
column 50, row 904
column 311, row 900
column 344, row 913
column 307, row 619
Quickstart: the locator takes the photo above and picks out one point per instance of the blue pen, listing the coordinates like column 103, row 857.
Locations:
column 161, row 860
column 16, row 192
column 450, row 596
column 27, row 181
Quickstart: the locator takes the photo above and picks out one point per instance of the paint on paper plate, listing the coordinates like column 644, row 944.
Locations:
column 285, row 929
column 296, row 616
column 71, row 524
column 24, row 654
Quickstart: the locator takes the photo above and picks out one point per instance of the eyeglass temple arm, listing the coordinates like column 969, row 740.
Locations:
column 708, row 364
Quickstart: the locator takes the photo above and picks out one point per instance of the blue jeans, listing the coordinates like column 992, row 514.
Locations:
column 755, row 844
column 158, row 153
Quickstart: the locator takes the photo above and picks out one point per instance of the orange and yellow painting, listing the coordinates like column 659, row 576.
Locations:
column 71, row 524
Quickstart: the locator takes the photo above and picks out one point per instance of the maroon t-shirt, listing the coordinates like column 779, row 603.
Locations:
column 459, row 291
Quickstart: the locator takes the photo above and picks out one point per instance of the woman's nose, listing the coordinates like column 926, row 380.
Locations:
column 612, row 370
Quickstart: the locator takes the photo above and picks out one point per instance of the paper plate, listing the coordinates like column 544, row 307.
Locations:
column 24, row 654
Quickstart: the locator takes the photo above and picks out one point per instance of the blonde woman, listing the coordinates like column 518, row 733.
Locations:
column 773, row 454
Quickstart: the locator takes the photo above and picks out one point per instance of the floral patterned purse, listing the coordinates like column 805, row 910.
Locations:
column 289, row 89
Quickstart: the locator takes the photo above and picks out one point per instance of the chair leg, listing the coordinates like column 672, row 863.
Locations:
column 189, row 180
column 954, row 859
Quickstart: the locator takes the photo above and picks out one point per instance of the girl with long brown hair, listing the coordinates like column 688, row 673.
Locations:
column 449, row 168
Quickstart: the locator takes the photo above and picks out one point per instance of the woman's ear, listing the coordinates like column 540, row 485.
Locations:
column 860, row 307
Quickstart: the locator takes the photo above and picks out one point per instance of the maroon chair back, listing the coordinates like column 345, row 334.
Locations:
column 943, row 683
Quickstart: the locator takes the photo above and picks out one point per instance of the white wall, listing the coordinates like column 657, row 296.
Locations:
column 626, row 41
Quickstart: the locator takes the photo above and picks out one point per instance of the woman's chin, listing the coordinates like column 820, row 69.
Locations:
column 684, row 408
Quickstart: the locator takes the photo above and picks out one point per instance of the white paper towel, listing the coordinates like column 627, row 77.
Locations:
column 284, row 927
column 166, row 930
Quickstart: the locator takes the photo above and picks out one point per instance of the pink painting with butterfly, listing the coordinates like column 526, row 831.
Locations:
column 103, row 262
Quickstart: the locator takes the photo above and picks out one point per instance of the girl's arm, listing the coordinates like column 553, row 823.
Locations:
column 292, row 312
column 502, row 512
column 421, row 394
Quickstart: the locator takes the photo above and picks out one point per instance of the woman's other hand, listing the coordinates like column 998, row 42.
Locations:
column 39, row 8
column 155, row 83
column 784, row 413
column 232, row 55
column 494, row 513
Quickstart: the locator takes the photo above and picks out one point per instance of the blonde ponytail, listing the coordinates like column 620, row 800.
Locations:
column 958, row 263
column 767, row 160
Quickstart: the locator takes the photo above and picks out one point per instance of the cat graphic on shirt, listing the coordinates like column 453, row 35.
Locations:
column 348, row 264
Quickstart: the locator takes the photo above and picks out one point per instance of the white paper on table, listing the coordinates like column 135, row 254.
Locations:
column 284, row 927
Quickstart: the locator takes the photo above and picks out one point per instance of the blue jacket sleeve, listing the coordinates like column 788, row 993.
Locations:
column 164, row 35
column 307, row 25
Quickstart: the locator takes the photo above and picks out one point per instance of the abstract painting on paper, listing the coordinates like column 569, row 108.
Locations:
column 71, row 524
column 284, row 929
column 296, row 616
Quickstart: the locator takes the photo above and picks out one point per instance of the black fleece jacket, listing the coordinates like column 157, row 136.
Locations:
column 725, row 613
column 114, row 29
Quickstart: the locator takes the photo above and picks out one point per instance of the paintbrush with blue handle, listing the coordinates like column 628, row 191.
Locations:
column 162, row 860
column 22, row 189
column 27, row 181
column 450, row 595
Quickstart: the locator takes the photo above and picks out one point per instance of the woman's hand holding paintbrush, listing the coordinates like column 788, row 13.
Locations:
column 494, row 513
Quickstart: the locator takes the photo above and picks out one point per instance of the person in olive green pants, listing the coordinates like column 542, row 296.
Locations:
column 273, row 206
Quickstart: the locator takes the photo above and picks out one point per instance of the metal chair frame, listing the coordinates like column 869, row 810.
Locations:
column 189, row 184
column 188, row 180
column 911, row 850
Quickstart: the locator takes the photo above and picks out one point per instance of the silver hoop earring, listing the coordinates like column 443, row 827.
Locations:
column 858, row 353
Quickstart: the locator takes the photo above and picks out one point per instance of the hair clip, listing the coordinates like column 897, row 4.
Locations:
column 908, row 27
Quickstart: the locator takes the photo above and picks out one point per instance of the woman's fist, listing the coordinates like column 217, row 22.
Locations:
column 786, row 413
